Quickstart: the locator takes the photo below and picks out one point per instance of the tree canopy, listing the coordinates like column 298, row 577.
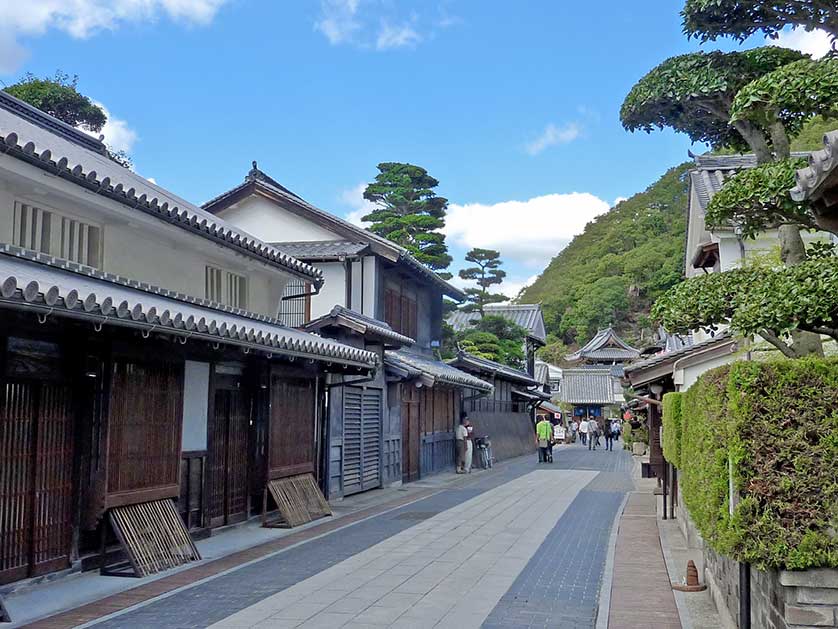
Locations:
column 486, row 273
column 495, row 338
column 409, row 212
column 771, row 302
column 59, row 97
column 694, row 94
column 710, row 19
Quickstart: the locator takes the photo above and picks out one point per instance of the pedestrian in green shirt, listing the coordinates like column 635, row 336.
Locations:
column 544, row 433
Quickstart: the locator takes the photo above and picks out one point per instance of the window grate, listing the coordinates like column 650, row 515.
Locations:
column 225, row 287
column 295, row 312
column 57, row 235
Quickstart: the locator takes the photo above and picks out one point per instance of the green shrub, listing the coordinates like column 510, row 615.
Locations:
column 773, row 429
column 672, row 428
column 630, row 435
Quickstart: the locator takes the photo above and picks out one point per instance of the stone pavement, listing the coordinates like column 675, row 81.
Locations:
column 523, row 545
column 638, row 558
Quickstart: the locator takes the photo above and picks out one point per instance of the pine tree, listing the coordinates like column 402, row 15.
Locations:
column 486, row 274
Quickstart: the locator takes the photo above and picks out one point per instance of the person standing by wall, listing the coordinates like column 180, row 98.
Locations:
column 469, row 446
column 461, row 434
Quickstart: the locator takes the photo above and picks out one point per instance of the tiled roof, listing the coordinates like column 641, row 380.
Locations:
column 528, row 316
column 436, row 370
column 606, row 345
column 321, row 249
column 365, row 325
column 588, row 386
column 471, row 362
column 51, row 287
column 398, row 253
column 712, row 171
column 51, row 150
column 822, row 164
column 671, row 356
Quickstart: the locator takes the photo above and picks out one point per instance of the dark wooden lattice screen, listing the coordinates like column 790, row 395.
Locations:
column 228, row 457
column 361, row 439
column 291, row 447
column 144, row 425
column 36, row 486
column 295, row 312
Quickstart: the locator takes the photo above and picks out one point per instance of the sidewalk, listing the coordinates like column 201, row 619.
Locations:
column 79, row 597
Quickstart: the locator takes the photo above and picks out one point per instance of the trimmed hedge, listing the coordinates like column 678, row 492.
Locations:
column 773, row 429
column 672, row 428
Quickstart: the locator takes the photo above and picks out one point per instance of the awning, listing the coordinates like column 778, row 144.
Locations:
column 41, row 284
column 471, row 362
column 408, row 364
column 362, row 324
column 533, row 396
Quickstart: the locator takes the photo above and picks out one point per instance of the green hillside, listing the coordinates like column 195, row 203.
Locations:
column 613, row 271
column 624, row 259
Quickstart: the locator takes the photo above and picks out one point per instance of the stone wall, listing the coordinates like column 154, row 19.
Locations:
column 511, row 434
column 779, row 599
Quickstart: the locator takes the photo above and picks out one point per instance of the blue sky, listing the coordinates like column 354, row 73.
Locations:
column 512, row 106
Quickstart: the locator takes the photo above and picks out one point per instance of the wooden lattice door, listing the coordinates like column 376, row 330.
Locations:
column 36, row 478
column 411, row 442
column 228, row 457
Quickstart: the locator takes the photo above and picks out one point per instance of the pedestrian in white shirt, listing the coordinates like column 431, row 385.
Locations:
column 583, row 431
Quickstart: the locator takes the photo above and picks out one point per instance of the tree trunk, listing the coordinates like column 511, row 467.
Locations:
column 779, row 139
column 756, row 140
column 793, row 252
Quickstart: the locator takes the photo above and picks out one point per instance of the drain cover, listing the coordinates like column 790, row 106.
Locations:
column 416, row 515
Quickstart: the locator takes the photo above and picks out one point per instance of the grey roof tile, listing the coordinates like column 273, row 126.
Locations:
column 470, row 362
column 341, row 316
column 110, row 300
column 528, row 316
column 321, row 249
column 681, row 352
column 605, row 345
column 437, row 370
column 588, row 386
column 822, row 164
column 48, row 148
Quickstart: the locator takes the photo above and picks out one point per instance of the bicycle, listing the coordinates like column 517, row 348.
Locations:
column 484, row 451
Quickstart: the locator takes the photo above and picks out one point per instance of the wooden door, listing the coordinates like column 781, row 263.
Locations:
column 291, row 434
column 410, row 433
column 361, row 439
column 228, row 456
column 36, row 479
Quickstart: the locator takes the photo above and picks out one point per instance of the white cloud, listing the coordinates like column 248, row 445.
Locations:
column 83, row 18
column 118, row 135
column 376, row 24
column 399, row 36
column 338, row 20
column 354, row 198
column 512, row 286
column 530, row 232
column 553, row 135
column 816, row 43
column 619, row 200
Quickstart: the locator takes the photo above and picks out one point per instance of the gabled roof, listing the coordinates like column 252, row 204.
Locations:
column 528, row 316
column 362, row 324
column 470, row 362
column 55, row 149
column 606, row 345
column 52, row 287
column 322, row 249
column 257, row 182
column 823, row 165
column 588, row 386
column 434, row 371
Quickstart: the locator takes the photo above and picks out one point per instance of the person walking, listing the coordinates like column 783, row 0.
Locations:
column 544, row 434
column 461, row 436
column 583, row 431
column 574, row 427
column 609, row 436
column 593, row 434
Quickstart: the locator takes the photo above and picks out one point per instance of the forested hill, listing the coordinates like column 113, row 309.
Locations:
column 613, row 271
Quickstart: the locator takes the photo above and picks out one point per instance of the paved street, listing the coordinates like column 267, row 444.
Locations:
column 522, row 546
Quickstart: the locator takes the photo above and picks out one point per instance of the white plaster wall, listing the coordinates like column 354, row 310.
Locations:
column 270, row 222
column 370, row 285
column 195, row 405
column 686, row 377
column 334, row 289
column 139, row 246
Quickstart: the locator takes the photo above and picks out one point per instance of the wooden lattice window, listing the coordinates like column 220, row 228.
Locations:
column 57, row 235
column 296, row 311
column 401, row 312
column 225, row 287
